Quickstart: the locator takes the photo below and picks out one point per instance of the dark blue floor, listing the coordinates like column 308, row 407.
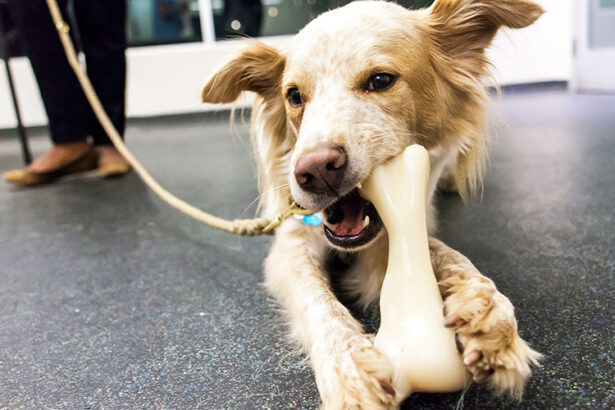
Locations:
column 109, row 299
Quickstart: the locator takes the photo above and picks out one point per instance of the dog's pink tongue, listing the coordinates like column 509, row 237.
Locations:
column 352, row 224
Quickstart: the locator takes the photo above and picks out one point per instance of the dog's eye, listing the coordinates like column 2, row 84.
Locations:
column 294, row 97
column 380, row 82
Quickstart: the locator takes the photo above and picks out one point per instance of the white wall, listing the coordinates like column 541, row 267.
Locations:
column 168, row 79
column 541, row 52
column 32, row 112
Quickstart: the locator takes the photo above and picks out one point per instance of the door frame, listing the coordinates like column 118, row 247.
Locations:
column 592, row 68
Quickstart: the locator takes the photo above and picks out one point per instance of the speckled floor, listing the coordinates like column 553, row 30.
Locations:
column 109, row 299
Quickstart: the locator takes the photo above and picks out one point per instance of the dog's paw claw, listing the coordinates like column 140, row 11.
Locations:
column 472, row 357
column 453, row 321
column 482, row 376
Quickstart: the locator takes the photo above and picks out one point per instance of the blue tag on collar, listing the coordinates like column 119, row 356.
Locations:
column 312, row 220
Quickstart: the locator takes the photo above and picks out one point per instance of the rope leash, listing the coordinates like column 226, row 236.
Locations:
column 245, row 227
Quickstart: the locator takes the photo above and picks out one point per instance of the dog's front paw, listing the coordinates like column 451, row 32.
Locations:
column 487, row 329
column 357, row 377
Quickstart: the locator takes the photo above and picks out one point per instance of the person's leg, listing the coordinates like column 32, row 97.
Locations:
column 102, row 29
column 64, row 101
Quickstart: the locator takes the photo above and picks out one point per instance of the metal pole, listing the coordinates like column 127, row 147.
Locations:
column 23, row 139
column 206, row 15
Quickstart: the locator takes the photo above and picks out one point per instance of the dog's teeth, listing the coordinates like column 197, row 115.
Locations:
column 331, row 226
column 366, row 221
column 359, row 185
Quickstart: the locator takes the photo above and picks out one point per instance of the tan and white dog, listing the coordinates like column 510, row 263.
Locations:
column 354, row 88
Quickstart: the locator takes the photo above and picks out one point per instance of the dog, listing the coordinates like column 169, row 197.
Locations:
column 353, row 89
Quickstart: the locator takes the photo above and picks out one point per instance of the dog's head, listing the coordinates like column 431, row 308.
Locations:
column 359, row 84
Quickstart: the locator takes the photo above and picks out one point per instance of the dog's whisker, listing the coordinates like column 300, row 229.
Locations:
column 265, row 192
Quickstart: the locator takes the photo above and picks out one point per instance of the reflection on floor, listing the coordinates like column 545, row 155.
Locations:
column 110, row 299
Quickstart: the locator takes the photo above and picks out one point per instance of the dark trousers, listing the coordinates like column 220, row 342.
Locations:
column 101, row 25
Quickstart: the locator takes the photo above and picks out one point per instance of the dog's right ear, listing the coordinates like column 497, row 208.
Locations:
column 257, row 68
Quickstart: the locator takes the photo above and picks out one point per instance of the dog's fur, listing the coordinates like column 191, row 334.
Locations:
column 438, row 57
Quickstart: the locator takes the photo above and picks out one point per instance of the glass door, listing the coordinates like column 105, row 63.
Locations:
column 594, row 60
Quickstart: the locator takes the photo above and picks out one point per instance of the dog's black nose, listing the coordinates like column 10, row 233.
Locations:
column 321, row 170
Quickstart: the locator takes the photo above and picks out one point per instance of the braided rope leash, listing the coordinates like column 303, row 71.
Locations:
column 245, row 227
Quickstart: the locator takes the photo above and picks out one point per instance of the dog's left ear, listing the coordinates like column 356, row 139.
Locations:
column 257, row 68
column 464, row 28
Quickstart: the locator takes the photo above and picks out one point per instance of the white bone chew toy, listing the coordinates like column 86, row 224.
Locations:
column 412, row 333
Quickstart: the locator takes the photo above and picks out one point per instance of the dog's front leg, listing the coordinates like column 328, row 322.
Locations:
column 484, row 321
column 350, row 373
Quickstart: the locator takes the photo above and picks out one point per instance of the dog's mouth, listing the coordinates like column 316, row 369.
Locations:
column 351, row 221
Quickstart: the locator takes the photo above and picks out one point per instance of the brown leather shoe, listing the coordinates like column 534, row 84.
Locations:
column 111, row 164
column 25, row 177
column 111, row 170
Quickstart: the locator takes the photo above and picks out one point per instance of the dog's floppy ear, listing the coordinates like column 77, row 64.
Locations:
column 464, row 28
column 257, row 68
column 461, row 30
